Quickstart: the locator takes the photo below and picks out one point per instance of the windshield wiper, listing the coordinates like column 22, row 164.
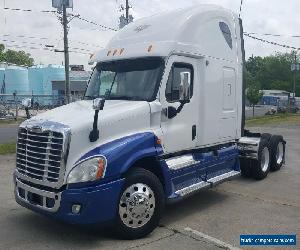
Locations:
column 124, row 97
column 90, row 97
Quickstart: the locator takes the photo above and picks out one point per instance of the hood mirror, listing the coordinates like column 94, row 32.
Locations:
column 98, row 104
column 27, row 104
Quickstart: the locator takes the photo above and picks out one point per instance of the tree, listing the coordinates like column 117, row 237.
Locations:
column 254, row 95
column 273, row 72
column 15, row 57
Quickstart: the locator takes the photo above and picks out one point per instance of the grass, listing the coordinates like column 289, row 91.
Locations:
column 285, row 119
column 11, row 122
column 8, row 148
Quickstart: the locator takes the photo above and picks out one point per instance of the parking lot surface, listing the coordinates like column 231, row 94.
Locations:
column 212, row 219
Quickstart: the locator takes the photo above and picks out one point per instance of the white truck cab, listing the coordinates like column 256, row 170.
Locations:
column 162, row 117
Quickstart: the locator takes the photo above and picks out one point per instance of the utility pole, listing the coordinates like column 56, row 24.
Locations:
column 294, row 87
column 125, row 18
column 127, row 11
column 66, row 51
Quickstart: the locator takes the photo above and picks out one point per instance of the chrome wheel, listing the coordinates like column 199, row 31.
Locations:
column 265, row 159
column 137, row 205
column 279, row 153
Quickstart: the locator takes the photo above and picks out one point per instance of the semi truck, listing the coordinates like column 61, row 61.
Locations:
column 163, row 117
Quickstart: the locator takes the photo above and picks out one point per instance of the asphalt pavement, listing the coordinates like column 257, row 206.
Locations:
column 211, row 219
column 8, row 133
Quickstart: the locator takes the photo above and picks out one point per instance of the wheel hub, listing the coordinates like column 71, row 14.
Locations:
column 265, row 159
column 137, row 205
column 279, row 153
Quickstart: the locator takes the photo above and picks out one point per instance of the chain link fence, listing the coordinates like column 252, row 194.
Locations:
column 11, row 105
column 288, row 106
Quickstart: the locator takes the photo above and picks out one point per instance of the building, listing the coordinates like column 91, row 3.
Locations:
column 45, row 82
column 78, row 84
column 271, row 97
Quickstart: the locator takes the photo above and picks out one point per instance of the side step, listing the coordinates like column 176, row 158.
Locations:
column 193, row 188
column 207, row 184
column 224, row 177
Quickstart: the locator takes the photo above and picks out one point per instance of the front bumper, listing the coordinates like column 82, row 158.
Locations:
column 98, row 203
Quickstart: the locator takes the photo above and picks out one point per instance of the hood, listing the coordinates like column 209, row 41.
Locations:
column 118, row 119
column 80, row 114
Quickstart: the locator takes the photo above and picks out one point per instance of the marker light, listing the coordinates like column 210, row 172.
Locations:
column 89, row 170
column 150, row 48
column 115, row 52
column 108, row 53
column 121, row 51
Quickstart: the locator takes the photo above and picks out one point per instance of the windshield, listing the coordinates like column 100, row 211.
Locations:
column 136, row 79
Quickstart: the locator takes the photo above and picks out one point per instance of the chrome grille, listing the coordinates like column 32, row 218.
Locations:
column 39, row 154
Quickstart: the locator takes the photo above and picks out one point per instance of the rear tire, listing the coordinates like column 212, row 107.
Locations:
column 277, row 146
column 261, row 166
column 266, row 136
column 141, row 204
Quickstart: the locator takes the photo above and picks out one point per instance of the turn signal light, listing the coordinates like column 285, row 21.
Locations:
column 150, row 48
column 101, row 168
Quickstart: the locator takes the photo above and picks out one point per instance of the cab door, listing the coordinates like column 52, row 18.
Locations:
column 180, row 131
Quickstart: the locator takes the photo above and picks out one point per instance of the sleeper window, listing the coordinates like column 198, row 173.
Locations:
column 226, row 33
column 172, row 88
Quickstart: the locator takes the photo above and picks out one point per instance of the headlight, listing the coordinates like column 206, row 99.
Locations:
column 89, row 170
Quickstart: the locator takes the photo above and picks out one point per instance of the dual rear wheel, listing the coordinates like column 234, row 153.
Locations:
column 271, row 156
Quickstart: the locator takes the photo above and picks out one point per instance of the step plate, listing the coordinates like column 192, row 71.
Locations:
column 210, row 183
column 180, row 162
column 193, row 188
column 224, row 177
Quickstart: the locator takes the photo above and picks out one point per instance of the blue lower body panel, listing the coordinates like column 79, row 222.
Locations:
column 98, row 204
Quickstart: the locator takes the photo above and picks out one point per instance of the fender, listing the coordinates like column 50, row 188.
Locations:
column 122, row 153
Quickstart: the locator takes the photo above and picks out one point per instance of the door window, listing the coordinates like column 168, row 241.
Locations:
column 172, row 88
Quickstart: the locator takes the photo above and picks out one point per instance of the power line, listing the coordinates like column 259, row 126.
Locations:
column 44, row 48
column 47, row 38
column 92, row 22
column 29, row 10
column 40, row 44
column 274, row 35
column 273, row 43
column 54, row 12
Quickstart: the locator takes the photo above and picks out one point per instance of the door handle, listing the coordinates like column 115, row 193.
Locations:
column 194, row 132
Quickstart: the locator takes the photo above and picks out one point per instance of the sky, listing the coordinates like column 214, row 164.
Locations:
column 33, row 30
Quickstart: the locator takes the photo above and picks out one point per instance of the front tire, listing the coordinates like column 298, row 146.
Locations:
column 141, row 204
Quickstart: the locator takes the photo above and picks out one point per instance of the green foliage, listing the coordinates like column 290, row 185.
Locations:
column 15, row 57
column 272, row 72
column 8, row 148
column 269, row 120
column 253, row 94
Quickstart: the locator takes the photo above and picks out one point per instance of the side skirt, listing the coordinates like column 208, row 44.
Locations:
column 190, row 190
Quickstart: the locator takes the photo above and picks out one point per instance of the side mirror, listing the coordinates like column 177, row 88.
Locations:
column 185, row 86
column 26, row 103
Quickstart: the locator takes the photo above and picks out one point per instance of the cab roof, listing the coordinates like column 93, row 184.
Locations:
column 191, row 30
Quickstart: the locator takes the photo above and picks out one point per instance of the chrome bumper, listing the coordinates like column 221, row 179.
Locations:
column 45, row 200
